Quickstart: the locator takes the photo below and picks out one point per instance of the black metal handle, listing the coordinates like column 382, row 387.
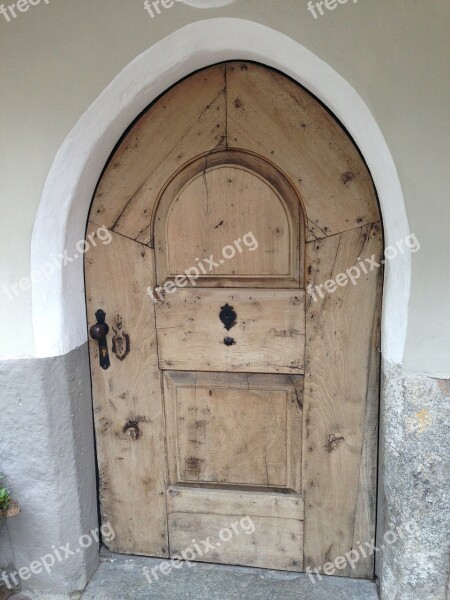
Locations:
column 98, row 332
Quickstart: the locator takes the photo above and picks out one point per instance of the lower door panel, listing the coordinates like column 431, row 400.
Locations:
column 234, row 451
column 260, row 529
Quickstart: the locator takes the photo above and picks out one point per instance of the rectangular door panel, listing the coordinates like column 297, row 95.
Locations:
column 234, row 429
column 268, row 336
column 262, row 529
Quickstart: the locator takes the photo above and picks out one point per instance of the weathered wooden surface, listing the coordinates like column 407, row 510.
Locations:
column 246, row 106
column 269, row 114
column 167, row 186
column 269, row 331
column 239, row 210
column 234, row 428
column 128, row 411
column 340, row 400
column 277, row 520
column 187, row 121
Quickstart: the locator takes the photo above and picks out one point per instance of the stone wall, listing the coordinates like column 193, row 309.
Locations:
column 415, row 484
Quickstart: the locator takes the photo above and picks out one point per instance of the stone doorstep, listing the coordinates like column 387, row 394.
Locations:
column 120, row 577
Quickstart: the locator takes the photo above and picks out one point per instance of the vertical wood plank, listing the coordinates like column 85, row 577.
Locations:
column 128, row 408
column 341, row 399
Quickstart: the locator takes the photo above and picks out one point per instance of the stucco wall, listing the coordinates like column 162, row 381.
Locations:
column 55, row 60
column 57, row 57
column 47, row 454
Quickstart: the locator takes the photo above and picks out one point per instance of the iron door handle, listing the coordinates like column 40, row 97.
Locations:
column 98, row 332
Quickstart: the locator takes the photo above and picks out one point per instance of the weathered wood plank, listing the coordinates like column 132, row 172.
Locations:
column 128, row 409
column 273, row 538
column 269, row 331
column 340, row 399
column 188, row 120
column 271, row 115
column 235, row 502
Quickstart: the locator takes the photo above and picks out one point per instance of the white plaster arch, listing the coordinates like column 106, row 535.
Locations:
column 59, row 317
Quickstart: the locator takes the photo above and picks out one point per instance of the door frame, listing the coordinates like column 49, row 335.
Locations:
column 59, row 312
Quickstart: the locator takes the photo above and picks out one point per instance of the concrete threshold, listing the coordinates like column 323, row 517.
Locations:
column 121, row 577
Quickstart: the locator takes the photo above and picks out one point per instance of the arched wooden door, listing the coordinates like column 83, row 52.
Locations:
column 244, row 364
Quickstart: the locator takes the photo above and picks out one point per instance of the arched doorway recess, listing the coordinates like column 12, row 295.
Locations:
column 237, row 203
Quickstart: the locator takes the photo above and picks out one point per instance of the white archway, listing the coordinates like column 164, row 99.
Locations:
column 59, row 318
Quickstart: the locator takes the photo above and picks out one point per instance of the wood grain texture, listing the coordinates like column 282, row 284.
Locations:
column 235, row 502
column 166, row 186
column 128, row 410
column 271, row 115
column 190, row 119
column 366, row 508
column 244, row 106
column 269, row 331
column 272, row 539
column 221, row 206
column 237, row 209
column 234, row 429
column 340, row 400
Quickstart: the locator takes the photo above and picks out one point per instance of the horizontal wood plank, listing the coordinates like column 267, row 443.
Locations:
column 269, row 333
column 260, row 530
column 233, row 502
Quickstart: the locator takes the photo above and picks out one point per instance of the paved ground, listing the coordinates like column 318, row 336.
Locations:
column 121, row 578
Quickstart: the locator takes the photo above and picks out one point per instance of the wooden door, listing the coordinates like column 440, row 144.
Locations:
column 241, row 383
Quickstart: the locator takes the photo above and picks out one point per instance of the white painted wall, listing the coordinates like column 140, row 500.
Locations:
column 59, row 317
column 57, row 58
